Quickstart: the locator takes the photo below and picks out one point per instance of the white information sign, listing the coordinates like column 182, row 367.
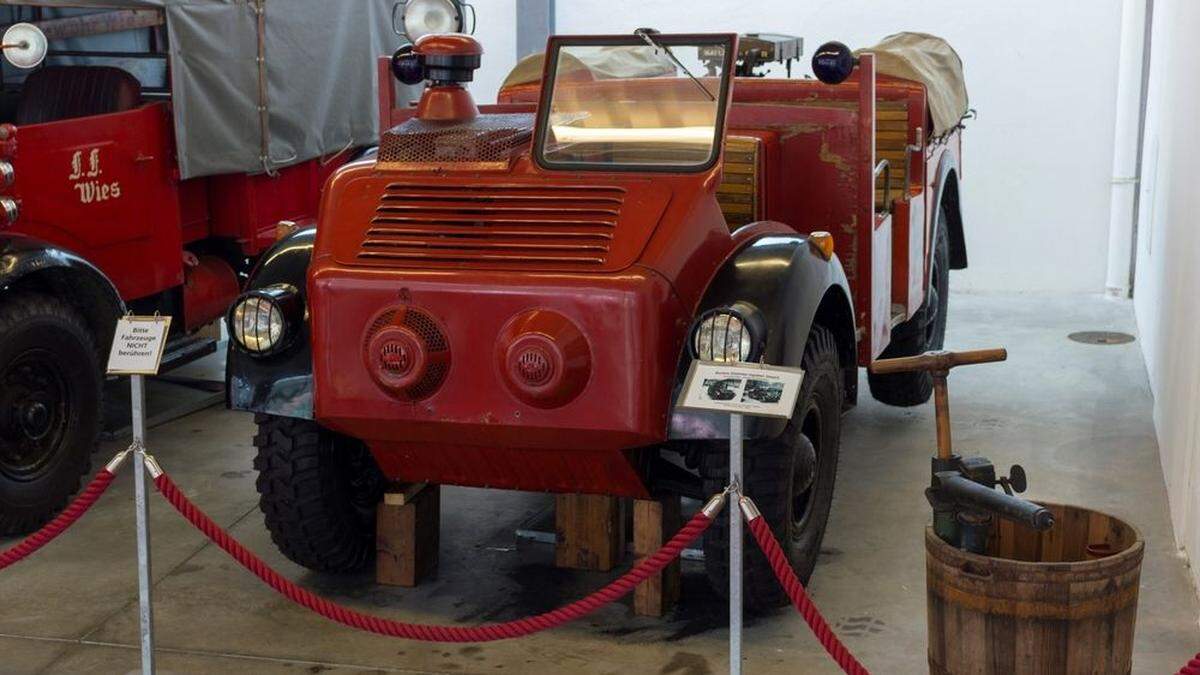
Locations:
column 138, row 344
column 746, row 388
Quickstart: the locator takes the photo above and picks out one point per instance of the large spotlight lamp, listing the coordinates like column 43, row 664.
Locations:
column 414, row 19
column 24, row 45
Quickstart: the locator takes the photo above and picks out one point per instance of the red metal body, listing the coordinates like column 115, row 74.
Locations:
column 106, row 187
column 663, row 238
column 819, row 151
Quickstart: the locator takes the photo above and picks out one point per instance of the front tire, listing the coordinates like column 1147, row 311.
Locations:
column 924, row 332
column 318, row 492
column 790, row 478
column 50, row 389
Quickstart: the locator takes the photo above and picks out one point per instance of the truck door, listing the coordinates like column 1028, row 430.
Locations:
column 104, row 186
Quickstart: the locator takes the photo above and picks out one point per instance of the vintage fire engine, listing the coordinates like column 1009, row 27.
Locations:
column 101, row 211
column 509, row 296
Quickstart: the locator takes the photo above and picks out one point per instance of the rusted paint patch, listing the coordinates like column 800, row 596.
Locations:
column 830, row 157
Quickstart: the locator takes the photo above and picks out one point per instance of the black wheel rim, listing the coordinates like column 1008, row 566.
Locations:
column 933, row 307
column 34, row 411
column 932, row 315
column 805, row 470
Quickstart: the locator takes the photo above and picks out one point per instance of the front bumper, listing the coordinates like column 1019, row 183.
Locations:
column 473, row 430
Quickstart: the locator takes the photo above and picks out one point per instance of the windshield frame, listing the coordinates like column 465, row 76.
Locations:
column 668, row 40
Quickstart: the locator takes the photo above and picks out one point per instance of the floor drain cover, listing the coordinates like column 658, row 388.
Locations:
column 1101, row 337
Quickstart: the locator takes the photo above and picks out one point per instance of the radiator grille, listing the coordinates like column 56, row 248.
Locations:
column 465, row 225
column 486, row 139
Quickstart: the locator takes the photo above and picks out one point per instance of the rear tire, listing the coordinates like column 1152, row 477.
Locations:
column 790, row 478
column 318, row 492
column 924, row 332
column 50, row 389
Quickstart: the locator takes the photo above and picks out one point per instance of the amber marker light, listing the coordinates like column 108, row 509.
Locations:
column 822, row 242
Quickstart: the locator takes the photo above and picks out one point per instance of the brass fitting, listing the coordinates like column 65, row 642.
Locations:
column 114, row 464
column 152, row 466
column 714, row 506
column 749, row 508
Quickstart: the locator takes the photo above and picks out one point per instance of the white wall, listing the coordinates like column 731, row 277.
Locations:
column 1043, row 77
column 497, row 32
column 1167, row 285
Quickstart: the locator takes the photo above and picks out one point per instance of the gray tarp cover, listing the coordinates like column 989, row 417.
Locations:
column 321, row 76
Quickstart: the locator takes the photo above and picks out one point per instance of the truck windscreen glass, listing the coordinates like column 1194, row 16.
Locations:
column 656, row 104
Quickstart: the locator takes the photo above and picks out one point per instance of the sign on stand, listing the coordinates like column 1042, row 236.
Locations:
column 746, row 388
column 137, row 350
column 138, row 345
column 739, row 389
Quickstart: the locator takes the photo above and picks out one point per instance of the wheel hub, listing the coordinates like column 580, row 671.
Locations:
column 35, row 419
column 33, row 414
column 805, row 473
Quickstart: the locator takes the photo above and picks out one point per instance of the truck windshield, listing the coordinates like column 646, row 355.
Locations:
column 645, row 102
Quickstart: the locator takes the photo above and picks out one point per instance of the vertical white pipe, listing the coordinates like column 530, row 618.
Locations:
column 1125, row 147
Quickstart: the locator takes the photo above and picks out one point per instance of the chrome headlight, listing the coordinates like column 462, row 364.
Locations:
column 263, row 320
column 729, row 334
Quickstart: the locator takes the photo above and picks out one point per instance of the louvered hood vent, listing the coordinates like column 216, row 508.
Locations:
column 419, row 225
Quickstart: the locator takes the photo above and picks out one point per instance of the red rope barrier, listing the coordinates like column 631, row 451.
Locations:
column 1192, row 667
column 795, row 590
column 64, row 520
column 374, row 624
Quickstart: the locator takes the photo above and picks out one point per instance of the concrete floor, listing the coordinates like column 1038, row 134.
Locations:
column 1077, row 417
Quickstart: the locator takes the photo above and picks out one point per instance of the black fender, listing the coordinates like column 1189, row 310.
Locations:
column 27, row 263
column 280, row 383
column 794, row 286
column 948, row 198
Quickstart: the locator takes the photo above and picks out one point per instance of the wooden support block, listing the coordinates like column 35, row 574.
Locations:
column 590, row 532
column 654, row 522
column 407, row 536
column 403, row 493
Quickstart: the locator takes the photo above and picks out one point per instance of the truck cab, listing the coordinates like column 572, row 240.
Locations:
column 510, row 295
column 101, row 212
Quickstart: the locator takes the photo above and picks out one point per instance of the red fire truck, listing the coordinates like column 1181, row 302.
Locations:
column 509, row 296
column 133, row 178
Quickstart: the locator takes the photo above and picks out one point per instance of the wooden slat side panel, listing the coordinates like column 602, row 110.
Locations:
column 738, row 193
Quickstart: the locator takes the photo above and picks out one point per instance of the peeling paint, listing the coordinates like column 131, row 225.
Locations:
column 829, row 157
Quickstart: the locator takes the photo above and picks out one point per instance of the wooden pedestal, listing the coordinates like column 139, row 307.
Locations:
column 407, row 523
column 654, row 522
column 590, row 532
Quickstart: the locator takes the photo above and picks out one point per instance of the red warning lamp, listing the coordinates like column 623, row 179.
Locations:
column 447, row 61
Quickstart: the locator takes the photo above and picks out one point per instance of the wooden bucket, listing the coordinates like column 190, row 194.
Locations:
column 1060, row 601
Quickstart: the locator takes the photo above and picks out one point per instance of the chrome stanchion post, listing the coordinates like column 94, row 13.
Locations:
column 141, row 506
column 735, row 547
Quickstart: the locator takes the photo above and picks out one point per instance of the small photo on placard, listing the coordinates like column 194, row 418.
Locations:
column 746, row 388
column 138, row 345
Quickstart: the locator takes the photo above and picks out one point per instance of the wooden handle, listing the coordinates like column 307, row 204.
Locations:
column 937, row 361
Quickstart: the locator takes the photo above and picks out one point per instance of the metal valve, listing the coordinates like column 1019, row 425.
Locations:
column 962, row 489
column 1015, row 481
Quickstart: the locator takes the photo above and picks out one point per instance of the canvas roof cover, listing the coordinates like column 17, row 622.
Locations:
column 923, row 58
column 605, row 63
column 321, row 76
column 930, row 60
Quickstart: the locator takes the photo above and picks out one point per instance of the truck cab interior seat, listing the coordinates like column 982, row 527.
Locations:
column 58, row 93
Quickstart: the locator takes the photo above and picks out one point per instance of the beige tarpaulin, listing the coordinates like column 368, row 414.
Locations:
column 924, row 58
column 604, row 63
column 930, row 60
